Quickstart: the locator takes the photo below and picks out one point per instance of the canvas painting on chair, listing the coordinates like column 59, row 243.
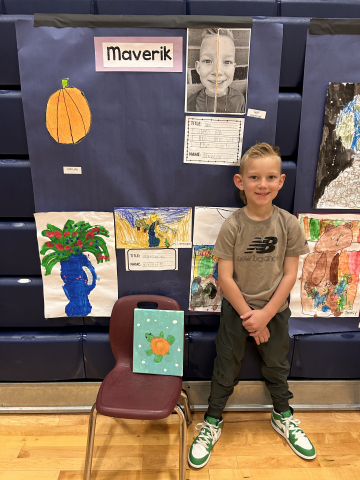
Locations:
column 158, row 342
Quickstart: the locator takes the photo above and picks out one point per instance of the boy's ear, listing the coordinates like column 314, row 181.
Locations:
column 282, row 180
column 197, row 66
column 238, row 182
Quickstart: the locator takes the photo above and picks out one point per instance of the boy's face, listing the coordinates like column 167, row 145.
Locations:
column 206, row 67
column 261, row 180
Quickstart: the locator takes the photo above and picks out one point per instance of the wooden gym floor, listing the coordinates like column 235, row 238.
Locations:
column 52, row 447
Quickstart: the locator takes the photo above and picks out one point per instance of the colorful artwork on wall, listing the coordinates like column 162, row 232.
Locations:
column 153, row 227
column 338, row 170
column 158, row 342
column 205, row 292
column 328, row 277
column 70, row 246
column 68, row 116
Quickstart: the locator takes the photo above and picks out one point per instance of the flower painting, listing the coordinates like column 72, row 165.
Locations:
column 74, row 248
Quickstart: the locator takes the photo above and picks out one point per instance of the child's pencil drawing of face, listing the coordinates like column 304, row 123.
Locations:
column 207, row 65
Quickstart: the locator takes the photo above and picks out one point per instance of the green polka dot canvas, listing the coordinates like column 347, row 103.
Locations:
column 158, row 342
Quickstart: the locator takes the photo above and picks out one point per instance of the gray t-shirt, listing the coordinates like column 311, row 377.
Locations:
column 258, row 250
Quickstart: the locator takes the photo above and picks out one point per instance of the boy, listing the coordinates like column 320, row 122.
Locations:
column 216, row 68
column 258, row 248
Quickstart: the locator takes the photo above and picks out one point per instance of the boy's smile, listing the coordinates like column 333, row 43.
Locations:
column 261, row 181
column 207, row 65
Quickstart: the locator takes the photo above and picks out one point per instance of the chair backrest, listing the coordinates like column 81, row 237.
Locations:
column 122, row 322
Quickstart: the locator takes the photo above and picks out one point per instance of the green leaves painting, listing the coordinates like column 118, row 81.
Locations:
column 75, row 238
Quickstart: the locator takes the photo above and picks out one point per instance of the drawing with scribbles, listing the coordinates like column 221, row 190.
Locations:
column 328, row 277
column 338, row 170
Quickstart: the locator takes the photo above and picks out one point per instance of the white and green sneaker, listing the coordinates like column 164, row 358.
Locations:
column 287, row 426
column 200, row 450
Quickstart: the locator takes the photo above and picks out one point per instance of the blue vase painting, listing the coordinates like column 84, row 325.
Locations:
column 79, row 279
column 72, row 250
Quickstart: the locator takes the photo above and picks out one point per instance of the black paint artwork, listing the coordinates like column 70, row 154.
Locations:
column 338, row 170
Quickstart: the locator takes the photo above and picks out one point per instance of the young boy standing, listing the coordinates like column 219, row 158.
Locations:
column 258, row 248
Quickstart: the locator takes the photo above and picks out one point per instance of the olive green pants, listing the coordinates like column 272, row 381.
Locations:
column 230, row 348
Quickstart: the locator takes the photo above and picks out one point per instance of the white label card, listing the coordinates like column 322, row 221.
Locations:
column 156, row 259
column 73, row 170
column 213, row 140
column 256, row 113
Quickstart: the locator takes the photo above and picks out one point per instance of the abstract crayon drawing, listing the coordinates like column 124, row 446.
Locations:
column 338, row 170
column 205, row 292
column 68, row 245
column 328, row 277
column 153, row 227
column 158, row 342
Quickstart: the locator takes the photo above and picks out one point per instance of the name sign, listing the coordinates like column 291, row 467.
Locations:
column 138, row 54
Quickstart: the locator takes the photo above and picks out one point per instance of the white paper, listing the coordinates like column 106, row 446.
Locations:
column 105, row 293
column 213, row 140
column 116, row 54
column 158, row 259
column 256, row 113
column 72, row 170
column 207, row 223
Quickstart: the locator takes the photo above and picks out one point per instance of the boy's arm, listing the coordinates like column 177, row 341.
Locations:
column 256, row 320
column 229, row 287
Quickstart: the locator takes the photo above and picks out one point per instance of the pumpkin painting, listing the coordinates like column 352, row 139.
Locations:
column 68, row 116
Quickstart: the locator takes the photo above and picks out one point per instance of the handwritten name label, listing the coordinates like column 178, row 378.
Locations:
column 72, row 170
column 160, row 54
column 256, row 113
column 154, row 259
column 213, row 140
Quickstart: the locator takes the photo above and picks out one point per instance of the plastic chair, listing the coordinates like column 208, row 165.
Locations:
column 124, row 394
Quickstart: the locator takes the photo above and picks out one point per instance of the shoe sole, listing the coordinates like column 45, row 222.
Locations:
column 203, row 464
column 289, row 443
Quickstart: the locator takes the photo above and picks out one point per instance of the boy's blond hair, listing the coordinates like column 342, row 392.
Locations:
column 208, row 32
column 257, row 151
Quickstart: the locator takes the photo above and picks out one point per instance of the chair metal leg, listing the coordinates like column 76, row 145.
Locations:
column 90, row 443
column 187, row 410
column 182, row 443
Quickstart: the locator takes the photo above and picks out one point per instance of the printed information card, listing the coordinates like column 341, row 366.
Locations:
column 213, row 140
column 159, row 259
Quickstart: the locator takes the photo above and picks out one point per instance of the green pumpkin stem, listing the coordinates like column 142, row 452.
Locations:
column 65, row 82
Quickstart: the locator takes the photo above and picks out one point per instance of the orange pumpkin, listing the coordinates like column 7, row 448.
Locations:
column 68, row 116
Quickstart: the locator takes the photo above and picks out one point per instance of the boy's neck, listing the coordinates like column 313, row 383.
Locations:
column 219, row 95
column 256, row 212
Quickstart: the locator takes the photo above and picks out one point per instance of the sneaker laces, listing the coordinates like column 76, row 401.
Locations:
column 207, row 432
column 291, row 424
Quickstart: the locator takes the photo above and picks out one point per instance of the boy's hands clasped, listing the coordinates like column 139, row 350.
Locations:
column 263, row 336
column 255, row 322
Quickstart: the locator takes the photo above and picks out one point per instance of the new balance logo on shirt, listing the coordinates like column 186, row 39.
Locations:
column 262, row 246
